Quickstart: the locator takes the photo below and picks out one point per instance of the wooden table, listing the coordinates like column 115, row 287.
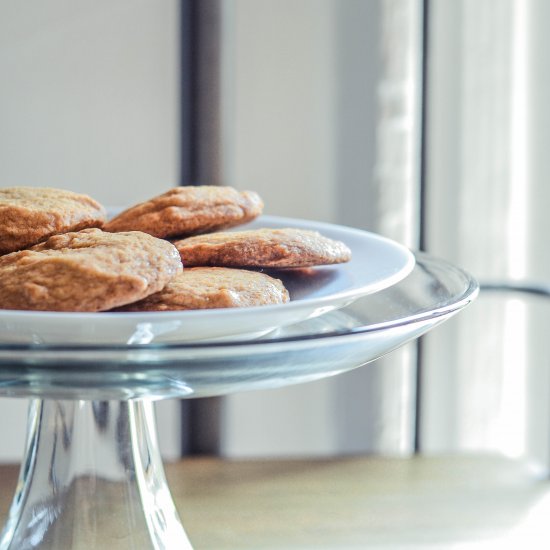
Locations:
column 463, row 503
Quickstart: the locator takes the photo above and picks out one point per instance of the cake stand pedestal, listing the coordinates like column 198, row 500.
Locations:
column 92, row 476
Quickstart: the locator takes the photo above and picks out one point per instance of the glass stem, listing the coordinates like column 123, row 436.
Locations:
column 92, row 477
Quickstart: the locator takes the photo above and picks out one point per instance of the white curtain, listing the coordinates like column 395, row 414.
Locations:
column 320, row 112
column 485, row 379
column 322, row 117
column 485, row 376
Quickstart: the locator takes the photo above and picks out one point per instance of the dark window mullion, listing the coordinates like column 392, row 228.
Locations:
column 422, row 204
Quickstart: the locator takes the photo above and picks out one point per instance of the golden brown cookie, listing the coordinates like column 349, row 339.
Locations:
column 276, row 248
column 89, row 270
column 189, row 210
column 214, row 287
column 29, row 215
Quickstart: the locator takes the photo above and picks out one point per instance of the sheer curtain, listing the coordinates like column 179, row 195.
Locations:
column 322, row 115
column 350, row 76
column 485, row 376
column 317, row 105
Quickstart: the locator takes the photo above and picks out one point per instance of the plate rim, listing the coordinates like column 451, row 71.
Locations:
column 319, row 302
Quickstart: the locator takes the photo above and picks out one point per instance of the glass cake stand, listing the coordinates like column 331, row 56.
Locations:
column 92, row 476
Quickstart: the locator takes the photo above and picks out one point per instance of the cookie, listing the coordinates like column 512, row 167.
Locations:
column 29, row 215
column 191, row 210
column 275, row 248
column 89, row 270
column 214, row 287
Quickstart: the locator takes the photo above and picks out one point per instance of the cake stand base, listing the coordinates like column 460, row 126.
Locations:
column 92, row 477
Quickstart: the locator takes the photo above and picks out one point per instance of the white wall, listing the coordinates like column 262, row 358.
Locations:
column 88, row 102
column 278, row 95
column 279, row 99
column 88, row 96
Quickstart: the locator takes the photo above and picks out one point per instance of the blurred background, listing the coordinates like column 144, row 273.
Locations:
column 422, row 120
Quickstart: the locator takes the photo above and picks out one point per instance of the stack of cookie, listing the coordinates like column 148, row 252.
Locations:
column 60, row 253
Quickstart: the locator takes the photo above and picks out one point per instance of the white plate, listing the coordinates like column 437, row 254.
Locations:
column 377, row 263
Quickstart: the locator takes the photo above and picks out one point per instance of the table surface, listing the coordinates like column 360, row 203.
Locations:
column 463, row 503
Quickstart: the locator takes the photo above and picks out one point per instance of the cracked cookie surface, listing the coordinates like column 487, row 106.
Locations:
column 29, row 215
column 214, row 287
column 274, row 248
column 88, row 270
column 189, row 210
